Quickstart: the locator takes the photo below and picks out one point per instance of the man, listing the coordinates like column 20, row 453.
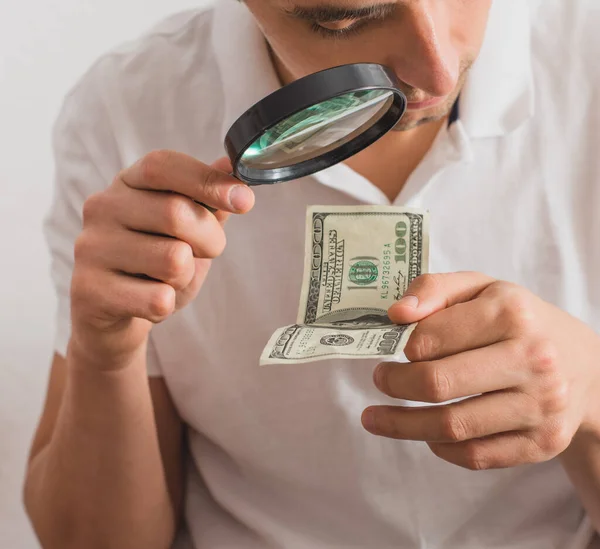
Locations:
column 159, row 423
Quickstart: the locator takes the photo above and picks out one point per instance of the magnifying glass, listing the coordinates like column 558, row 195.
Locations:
column 314, row 123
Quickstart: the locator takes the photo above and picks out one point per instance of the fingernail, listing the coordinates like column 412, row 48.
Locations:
column 411, row 301
column 368, row 419
column 240, row 197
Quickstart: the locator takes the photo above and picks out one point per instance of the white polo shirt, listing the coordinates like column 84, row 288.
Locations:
column 278, row 455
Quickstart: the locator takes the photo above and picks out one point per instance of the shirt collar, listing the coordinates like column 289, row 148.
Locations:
column 497, row 98
column 498, row 95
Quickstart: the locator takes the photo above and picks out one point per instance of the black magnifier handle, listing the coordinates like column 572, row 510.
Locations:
column 145, row 276
column 209, row 208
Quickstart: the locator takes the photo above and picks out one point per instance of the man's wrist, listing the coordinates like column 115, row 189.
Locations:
column 85, row 357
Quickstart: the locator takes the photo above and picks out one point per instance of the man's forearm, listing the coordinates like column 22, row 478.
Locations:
column 99, row 482
column 581, row 461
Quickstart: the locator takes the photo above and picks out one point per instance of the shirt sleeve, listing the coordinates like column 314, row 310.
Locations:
column 77, row 175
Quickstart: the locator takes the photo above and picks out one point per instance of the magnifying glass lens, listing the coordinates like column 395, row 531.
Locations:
column 318, row 129
column 314, row 122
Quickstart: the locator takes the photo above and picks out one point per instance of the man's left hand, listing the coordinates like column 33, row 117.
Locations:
column 532, row 372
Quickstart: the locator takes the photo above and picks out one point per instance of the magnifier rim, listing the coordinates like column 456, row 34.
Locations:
column 310, row 90
column 265, row 107
column 321, row 161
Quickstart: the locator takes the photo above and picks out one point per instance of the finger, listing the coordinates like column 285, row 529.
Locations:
column 177, row 172
column 221, row 216
column 493, row 452
column 500, row 366
column 222, row 164
column 472, row 418
column 171, row 215
column 188, row 293
column 470, row 325
column 432, row 292
column 158, row 257
column 117, row 295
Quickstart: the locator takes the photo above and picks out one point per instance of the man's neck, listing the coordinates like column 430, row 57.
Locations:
column 389, row 162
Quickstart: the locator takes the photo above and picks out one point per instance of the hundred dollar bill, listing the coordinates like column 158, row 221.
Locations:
column 359, row 260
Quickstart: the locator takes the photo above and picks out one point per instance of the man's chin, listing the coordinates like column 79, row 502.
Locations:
column 406, row 125
column 414, row 119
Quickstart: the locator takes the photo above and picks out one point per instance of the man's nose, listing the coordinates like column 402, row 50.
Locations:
column 426, row 58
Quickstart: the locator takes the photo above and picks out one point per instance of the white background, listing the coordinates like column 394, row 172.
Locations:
column 45, row 45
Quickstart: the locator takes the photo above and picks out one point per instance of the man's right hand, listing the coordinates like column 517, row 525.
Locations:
column 145, row 250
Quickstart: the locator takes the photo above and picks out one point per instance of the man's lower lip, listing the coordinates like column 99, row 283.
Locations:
column 420, row 105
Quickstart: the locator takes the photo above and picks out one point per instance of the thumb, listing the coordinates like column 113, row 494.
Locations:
column 430, row 293
column 222, row 164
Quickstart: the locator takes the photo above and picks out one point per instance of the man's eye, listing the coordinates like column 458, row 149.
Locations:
column 338, row 28
column 337, row 25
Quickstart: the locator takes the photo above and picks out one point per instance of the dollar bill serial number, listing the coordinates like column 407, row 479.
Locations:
column 391, row 257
